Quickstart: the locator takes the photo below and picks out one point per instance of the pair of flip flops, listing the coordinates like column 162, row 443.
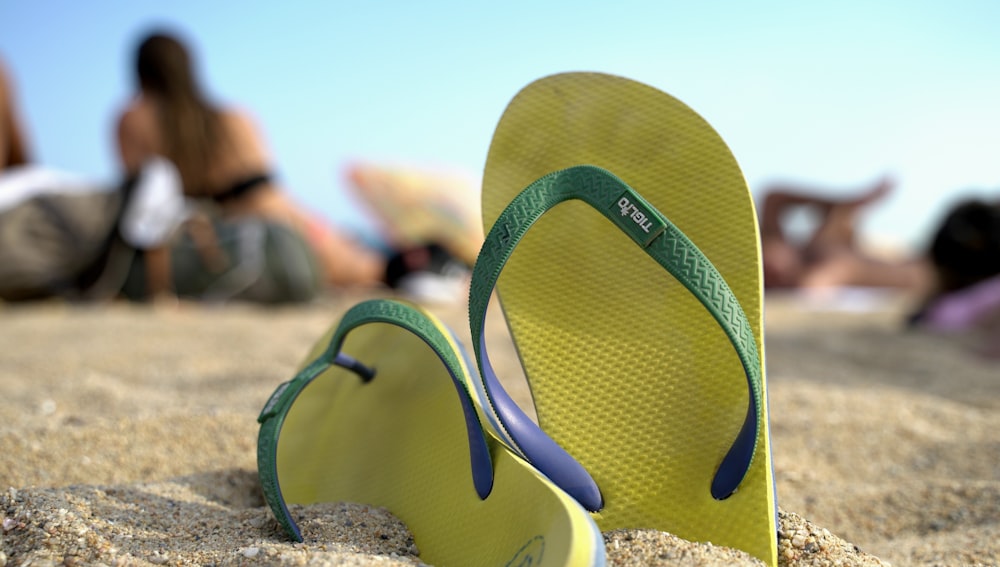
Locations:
column 623, row 244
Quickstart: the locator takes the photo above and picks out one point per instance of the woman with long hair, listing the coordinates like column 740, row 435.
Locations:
column 221, row 156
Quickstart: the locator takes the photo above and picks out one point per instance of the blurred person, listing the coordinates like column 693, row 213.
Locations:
column 830, row 257
column 964, row 254
column 221, row 157
column 954, row 279
column 13, row 143
column 54, row 224
column 66, row 236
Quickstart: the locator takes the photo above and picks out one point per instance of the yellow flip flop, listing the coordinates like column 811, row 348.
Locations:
column 382, row 416
column 624, row 247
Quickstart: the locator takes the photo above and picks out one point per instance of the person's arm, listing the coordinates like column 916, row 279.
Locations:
column 132, row 148
column 12, row 136
column 133, row 152
column 17, row 150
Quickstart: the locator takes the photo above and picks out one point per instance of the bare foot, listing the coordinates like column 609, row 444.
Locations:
column 878, row 191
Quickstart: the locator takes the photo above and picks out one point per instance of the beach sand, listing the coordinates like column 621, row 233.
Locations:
column 128, row 437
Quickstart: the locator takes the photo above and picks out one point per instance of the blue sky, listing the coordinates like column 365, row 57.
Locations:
column 827, row 94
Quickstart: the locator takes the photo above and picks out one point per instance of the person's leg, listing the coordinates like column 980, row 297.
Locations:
column 846, row 268
column 838, row 225
column 789, row 264
column 782, row 260
column 344, row 262
column 347, row 262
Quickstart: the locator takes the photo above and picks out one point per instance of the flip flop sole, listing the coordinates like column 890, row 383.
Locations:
column 401, row 440
column 628, row 371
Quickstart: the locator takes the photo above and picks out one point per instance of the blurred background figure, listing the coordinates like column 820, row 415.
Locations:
column 964, row 255
column 13, row 143
column 222, row 159
column 831, row 256
column 954, row 278
column 53, row 225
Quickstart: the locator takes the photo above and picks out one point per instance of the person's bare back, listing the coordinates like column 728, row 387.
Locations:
column 221, row 156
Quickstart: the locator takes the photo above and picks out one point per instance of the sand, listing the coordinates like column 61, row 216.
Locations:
column 128, row 437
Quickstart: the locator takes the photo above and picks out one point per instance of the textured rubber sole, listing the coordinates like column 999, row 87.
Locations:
column 628, row 371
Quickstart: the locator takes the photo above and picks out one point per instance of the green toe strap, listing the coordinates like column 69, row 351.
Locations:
column 272, row 417
column 664, row 243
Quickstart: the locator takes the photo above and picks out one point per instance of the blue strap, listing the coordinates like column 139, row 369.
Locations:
column 669, row 247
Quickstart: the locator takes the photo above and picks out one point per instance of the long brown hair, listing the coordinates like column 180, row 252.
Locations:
column 189, row 124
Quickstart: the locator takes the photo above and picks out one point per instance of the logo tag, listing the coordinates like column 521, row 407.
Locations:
column 637, row 219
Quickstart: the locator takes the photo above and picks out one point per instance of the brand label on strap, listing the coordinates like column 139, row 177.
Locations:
column 636, row 219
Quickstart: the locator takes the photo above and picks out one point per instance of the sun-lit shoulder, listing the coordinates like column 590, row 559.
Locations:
column 243, row 120
column 244, row 126
column 127, row 118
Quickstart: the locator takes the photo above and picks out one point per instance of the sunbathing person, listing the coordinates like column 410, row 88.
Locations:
column 221, row 156
column 964, row 254
column 830, row 257
column 955, row 280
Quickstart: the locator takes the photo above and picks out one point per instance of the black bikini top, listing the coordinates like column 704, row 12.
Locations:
column 242, row 188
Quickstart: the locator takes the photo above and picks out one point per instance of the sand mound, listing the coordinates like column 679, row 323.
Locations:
column 128, row 437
